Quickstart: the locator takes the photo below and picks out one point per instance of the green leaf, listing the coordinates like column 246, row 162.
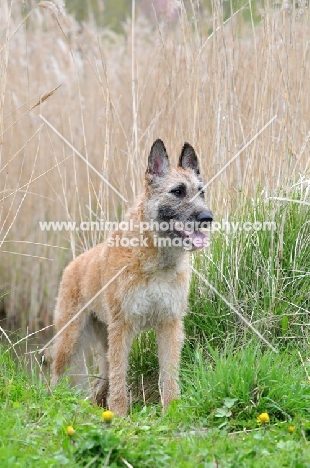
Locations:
column 222, row 413
column 284, row 324
column 229, row 402
column 145, row 428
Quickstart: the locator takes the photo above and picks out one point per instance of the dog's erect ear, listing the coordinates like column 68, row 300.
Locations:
column 158, row 163
column 188, row 159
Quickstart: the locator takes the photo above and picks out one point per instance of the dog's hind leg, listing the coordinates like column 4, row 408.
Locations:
column 68, row 349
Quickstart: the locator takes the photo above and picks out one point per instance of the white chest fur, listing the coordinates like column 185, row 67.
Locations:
column 159, row 299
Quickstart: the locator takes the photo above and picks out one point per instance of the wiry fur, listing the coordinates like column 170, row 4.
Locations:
column 150, row 293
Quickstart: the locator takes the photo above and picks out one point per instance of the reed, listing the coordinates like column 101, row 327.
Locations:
column 211, row 81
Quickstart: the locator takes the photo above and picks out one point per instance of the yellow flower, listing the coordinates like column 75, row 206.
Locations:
column 107, row 416
column 263, row 418
column 291, row 429
column 70, row 431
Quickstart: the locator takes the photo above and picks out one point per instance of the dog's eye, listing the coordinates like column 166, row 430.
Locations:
column 201, row 192
column 178, row 192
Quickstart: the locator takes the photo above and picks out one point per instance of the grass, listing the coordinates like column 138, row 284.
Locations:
column 264, row 273
column 215, row 423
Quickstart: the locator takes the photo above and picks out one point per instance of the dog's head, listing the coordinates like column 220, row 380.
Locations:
column 175, row 197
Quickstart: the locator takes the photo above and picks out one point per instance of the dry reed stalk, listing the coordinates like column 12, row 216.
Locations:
column 118, row 93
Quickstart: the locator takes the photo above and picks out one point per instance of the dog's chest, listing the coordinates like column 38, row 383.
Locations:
column 160, row 298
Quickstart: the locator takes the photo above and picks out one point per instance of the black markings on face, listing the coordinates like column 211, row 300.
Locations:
column 201, row 191
column 165, row 213
column 179, row 191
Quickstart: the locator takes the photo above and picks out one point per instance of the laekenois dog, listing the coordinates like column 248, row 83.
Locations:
column 137, row 279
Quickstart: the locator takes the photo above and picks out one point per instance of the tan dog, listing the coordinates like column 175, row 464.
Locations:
column 150, row 293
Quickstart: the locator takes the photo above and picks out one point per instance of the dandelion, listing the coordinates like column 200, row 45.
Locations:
column 291, row 429
column 263, row 418
column 107, row 416
column 70, row 431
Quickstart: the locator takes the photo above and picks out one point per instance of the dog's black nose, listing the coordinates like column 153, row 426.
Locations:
column 205, row 217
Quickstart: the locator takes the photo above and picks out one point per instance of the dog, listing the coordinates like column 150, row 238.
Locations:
column 143, row 278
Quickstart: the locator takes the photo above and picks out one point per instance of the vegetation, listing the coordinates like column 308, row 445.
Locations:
column 232, row 83
column 263, row 272
column 215, row 423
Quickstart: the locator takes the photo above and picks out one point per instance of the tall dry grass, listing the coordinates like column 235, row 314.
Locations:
column 117, row 94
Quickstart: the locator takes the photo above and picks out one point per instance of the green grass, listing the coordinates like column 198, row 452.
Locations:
column 214, row 424
column 263, row 273
column 114, row 14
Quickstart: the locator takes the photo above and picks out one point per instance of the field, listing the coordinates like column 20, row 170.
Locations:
column 214, row 425
column 234, row 82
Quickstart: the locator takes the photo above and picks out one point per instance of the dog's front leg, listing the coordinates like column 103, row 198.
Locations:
column 120, row 340
column 170, row 340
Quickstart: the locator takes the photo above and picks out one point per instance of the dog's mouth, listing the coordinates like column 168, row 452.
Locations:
column 198, row 238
